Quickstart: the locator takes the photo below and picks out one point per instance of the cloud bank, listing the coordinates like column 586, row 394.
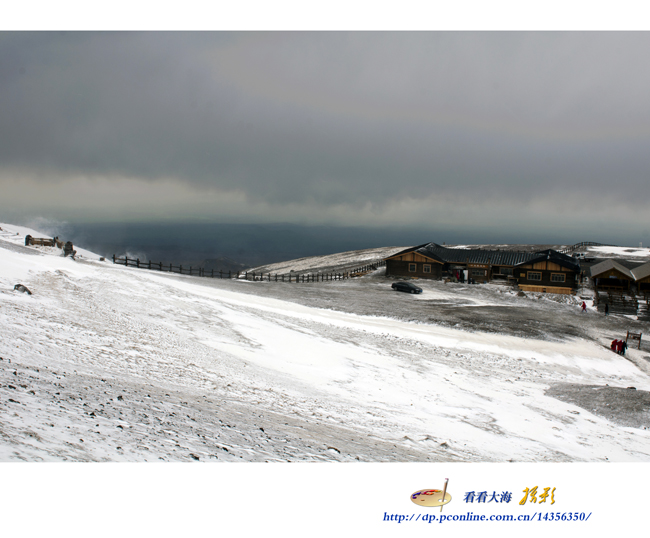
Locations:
column 520, row 129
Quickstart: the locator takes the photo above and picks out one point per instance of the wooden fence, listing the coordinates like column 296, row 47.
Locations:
column 246, row 275
column 43, row 241
column 583, row 244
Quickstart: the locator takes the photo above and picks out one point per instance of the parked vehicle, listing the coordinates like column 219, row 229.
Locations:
column 407, row 287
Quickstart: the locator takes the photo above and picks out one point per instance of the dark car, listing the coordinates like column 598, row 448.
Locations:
column 408, row 287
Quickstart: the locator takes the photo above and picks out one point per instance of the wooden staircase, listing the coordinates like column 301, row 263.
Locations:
column 619, row 302
column 643, row 311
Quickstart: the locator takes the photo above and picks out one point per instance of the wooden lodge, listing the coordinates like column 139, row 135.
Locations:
column 548, row 272
column 611, row 275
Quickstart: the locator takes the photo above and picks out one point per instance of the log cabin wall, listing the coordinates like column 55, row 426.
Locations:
column 413, row 265
column 480, row 272
column 545, row 274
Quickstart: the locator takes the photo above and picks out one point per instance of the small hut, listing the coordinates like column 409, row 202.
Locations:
column 611, row 275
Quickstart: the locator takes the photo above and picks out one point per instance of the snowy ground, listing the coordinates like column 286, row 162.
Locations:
column 331, row 262
column 107, row 363
column 641, row 254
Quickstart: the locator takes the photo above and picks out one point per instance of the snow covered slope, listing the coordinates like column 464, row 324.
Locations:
column 105, row 363
column 331, row 262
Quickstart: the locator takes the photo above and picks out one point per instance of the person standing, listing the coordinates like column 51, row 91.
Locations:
column 607, row 309
column 584, row 306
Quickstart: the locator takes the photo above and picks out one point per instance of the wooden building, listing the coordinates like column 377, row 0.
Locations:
column 611, row 275
column 415, row 262
column 481, row 265
column 548, row 272
column 642, row 276
column 543, row 271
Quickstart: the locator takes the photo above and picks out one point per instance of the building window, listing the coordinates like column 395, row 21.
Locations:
column 558, row 277
column 413, row 267
column 534, row 276
column 505, row 271
column 478, row 272
column 426, row 268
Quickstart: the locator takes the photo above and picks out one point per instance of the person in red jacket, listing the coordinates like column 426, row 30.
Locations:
column 584, row 306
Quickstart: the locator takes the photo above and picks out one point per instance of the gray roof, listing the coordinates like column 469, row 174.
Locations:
column 556, row 257
column 608, row 265
column 642, row 271
column 459, row 255
column 494, row 257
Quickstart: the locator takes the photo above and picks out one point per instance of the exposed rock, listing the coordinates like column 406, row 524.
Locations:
column 23, row 289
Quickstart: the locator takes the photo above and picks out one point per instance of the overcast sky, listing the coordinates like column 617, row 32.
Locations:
column 501, row 131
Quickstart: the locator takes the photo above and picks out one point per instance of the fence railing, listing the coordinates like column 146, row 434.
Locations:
column 583, row 244
column 249, row 275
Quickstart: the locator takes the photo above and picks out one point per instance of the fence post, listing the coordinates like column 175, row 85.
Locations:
column 170, row 267
column 138, row 262
column 113, row 258
column 180, row 269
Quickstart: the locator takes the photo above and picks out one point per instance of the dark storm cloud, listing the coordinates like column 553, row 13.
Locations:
column 330, row 118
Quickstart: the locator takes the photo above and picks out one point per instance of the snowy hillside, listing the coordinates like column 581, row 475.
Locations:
column 105, row 363
column 332, row 262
